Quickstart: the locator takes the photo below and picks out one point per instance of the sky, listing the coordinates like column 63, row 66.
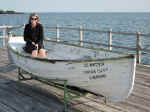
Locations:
column 76, row 5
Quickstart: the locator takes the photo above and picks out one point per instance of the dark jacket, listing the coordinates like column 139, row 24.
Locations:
column 34, row 34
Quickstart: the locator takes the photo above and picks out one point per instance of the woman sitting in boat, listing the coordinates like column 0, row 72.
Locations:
column 33, row 35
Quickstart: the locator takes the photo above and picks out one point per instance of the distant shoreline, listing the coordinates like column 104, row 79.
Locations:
column 10, row 12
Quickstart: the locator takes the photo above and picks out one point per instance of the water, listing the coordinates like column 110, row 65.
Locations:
column 122, row 22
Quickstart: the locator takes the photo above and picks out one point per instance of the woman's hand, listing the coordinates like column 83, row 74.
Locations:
column 36, row 45
column 33, row 43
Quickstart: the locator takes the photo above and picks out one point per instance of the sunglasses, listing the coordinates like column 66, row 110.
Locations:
column 34, row 19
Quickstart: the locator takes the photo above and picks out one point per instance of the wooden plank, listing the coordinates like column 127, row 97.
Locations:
column 141, row 89
column 142, row 83
column 142, row 103
column 5, row 108
column 143, row 68
column 25, row 98
column 142, row 75
column 100, row 101
column 143, row 72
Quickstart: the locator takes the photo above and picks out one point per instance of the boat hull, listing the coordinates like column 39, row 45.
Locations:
column 112, row 77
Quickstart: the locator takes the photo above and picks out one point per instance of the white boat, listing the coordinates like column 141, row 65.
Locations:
column 100, row 71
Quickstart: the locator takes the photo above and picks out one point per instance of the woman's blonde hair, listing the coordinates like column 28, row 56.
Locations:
column 33, row 14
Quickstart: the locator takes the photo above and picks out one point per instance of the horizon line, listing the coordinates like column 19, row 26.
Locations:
column 87, row 11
